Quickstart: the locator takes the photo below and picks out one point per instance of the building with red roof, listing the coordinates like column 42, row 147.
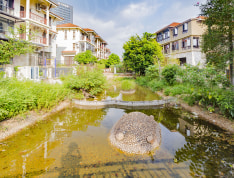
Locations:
column 183, row 41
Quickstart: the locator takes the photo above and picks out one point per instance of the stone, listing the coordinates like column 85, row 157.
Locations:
column 119, row 136
column 136, row 133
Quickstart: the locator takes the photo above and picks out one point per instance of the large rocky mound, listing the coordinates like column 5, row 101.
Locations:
column 136, row 133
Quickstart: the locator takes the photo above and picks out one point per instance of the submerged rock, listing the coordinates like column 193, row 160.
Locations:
column 136, row 133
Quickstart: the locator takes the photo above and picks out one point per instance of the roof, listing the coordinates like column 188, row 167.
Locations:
column 67, row 25
column 57, row 16
column 88, row 30
column 174, row 24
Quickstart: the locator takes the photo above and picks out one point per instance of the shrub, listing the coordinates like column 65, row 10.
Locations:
column 169, row 74
column 128, row 85
column 177, row 90
column 156, row 85
column 17, row 97
column 92, row 81
column 152, row 72
column 143, row 81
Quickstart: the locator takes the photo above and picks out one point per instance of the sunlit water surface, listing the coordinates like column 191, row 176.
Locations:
column 74, row 142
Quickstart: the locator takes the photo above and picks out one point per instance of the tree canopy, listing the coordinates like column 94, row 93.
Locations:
column 14, row 46
column 218, row 39
column 85, row 57
column 141, row 52
column 112, row 60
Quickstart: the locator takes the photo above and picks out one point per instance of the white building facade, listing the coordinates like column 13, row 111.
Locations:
column 40, row 26
column 72, row 39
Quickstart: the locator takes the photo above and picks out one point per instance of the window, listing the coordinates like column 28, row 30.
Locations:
column 175, row 31
column 74, row 34
column 196, row 42
column 50, row 39
column 65, row 35
column 185, row 27
column 74, row 46
column 1, row 27
column 175, row 46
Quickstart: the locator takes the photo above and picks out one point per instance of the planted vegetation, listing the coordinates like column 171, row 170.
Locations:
column 18, row 97
column 205, row 87
column 128, row 85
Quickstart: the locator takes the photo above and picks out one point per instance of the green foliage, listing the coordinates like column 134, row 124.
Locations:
column 156, row 85
column 90, row 80
column 169, row 73
column 85, row 58
column 218, row 39
column 2, row 73
column 141, row 52
column 14, row 46
column 17, row 97
column 152, row 72
column 128, row 85
column 112, row 60
column 177, row 90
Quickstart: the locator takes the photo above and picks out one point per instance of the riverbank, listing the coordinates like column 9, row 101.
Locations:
column 212, row 118
column 13, row 125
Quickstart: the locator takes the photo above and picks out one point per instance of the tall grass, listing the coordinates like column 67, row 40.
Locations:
column 17, row 97
column 128, row 85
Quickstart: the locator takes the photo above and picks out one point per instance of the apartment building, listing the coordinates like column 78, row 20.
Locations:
column 40, row 26
column 65, row 11
column 72, row 39
column 183, row 41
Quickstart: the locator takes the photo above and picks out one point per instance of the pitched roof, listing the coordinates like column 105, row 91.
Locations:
column 168, row 26
column 68, row 25
column 88, row 30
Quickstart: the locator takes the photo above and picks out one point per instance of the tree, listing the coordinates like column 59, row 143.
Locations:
column 14, row 46
column 141, row 52
column 112, row 60
column 85, row 57
column 218, row 39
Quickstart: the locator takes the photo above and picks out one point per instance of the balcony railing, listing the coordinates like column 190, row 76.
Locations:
column 34, row 17
column 39, row 40
column 6, row 9
column 22, row 36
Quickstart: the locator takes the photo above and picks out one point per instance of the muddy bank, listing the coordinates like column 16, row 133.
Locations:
column 12, row 126
column 213, row 118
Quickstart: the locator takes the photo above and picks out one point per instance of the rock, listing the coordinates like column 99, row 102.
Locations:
column 136, row 133
column 119, row 136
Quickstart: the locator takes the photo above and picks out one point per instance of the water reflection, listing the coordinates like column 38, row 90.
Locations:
column 74, row 142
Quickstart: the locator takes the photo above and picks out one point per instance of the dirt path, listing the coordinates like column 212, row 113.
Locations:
column 12, row 126
column 213, row 118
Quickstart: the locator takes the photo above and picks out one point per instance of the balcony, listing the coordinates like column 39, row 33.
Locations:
column 34, row 16
column 39, row 40
column 6, row 9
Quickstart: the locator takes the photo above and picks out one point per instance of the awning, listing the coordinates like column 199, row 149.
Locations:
column 10, row 17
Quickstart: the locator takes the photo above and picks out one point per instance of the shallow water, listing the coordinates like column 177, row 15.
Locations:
column 74, row 142
column 140, row 94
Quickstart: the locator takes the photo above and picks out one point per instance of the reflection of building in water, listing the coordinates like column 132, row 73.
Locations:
column 192, row 128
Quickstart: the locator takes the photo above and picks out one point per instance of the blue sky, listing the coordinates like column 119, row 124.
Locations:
column 117, row 20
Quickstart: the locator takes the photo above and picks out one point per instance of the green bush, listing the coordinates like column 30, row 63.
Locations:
column 17, row 97
column 177, row 90
column 169, row 74
column 128, row 85
column 91, row 80
column 143, row 81
column 152, row 72
column 156, row 85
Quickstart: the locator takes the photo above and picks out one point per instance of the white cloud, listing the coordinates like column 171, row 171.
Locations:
column 139, row 10
column 135, row 18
